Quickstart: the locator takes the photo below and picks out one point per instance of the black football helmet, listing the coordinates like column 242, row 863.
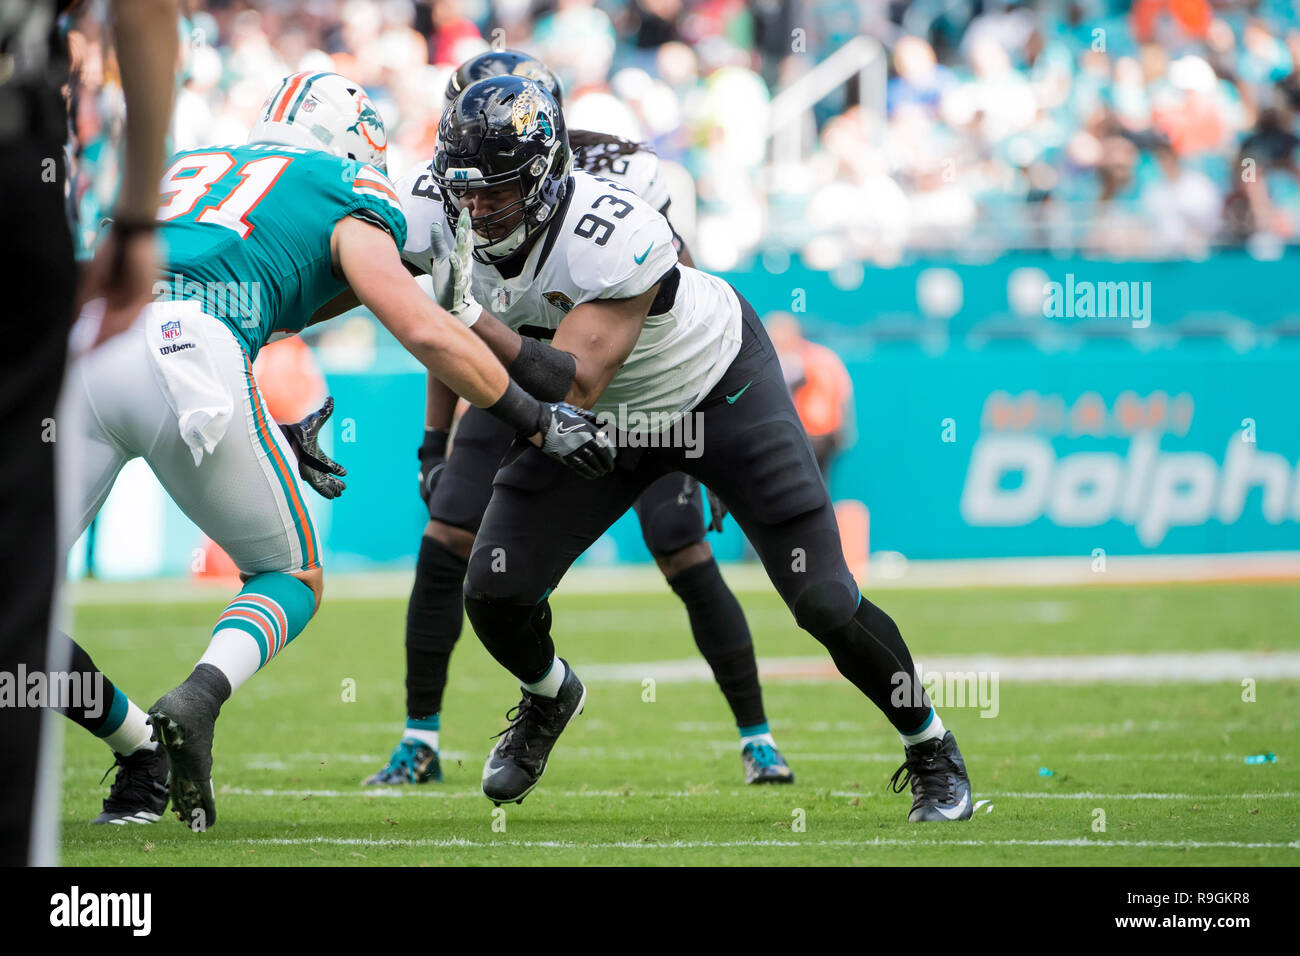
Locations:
column 500, row 131
column 504, row 63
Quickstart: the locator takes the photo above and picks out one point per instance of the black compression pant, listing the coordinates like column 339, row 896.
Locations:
column 755, row 455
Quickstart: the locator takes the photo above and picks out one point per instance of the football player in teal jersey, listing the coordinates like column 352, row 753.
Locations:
column 261, row 238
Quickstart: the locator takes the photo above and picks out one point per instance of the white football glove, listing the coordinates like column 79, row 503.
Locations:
column 451, row 270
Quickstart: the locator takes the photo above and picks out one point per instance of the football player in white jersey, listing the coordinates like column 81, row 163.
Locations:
column 456, row 489
column 651, row 345
column 634, row 165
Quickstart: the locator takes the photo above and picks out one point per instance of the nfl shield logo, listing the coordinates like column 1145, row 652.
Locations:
column 501, row 298
column 171, row 330
column 309, row 105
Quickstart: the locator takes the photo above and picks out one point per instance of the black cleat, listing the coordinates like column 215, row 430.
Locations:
column 139, row 791
column 184, row 720
column 412, row 761
column 516, row 763
column 764, row 764
column 940, row 787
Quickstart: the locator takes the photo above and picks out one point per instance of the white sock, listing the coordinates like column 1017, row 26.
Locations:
column 134, row 733
column 548, row 686
column 427, row 737
column 235, row 654
column 757, row 739
column 930, row 731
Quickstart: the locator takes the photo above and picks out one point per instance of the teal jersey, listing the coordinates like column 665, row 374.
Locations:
column 247, row 229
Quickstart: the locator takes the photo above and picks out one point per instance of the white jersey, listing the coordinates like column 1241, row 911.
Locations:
column 604, row 243
column 633, row 165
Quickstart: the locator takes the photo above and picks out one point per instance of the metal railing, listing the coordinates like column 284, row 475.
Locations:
column 789, row 112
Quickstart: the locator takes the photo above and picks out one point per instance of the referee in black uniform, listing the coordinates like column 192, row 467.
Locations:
column 40, row 285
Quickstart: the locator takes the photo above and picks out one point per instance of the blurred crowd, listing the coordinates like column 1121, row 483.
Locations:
column 1152, row 128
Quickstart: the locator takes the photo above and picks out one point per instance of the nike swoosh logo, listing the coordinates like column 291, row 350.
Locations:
column 641, row 258
column 731, row 399
column 561, row 430
column 958, row 810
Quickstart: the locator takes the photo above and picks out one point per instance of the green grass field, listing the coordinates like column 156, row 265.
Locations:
column 659, row 783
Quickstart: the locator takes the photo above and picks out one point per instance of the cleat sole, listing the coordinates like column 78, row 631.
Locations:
column 187, row 794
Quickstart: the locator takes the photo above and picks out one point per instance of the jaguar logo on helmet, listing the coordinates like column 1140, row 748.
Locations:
column 528, row 113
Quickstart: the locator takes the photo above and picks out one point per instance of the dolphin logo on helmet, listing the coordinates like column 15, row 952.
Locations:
column 324, row 111
column 368, row 119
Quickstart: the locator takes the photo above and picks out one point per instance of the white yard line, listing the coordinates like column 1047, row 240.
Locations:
column 431, row 792
column 882, row 573
column 1167, row 668
column 858, row 730
column 458, row 843
column 1092, row 795
column 713, row 750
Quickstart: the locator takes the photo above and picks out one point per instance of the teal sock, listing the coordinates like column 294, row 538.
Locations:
column 101, row 706
column 269, row 612
column 548, row 686
column 125, row 730
column 931, row 729
column 424, row 729
column 756, row 734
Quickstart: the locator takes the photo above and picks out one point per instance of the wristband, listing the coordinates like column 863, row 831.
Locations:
column 518, row 409
column 124, row 230
column 130, row 228
column 435, row 442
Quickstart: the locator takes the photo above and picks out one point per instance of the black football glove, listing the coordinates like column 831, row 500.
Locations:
column 433, row 459
column 316, row 468
column 572, row 435
column 717, row 510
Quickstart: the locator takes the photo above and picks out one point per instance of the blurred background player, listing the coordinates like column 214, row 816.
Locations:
column 456, row 490
column 39, row 256
column 178, row 390
column 820, row 386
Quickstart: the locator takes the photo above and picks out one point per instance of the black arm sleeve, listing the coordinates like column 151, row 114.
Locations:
column 545, row 372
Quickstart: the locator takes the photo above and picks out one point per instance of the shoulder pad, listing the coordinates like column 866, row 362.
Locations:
column 422, row 204
column 616, row 245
